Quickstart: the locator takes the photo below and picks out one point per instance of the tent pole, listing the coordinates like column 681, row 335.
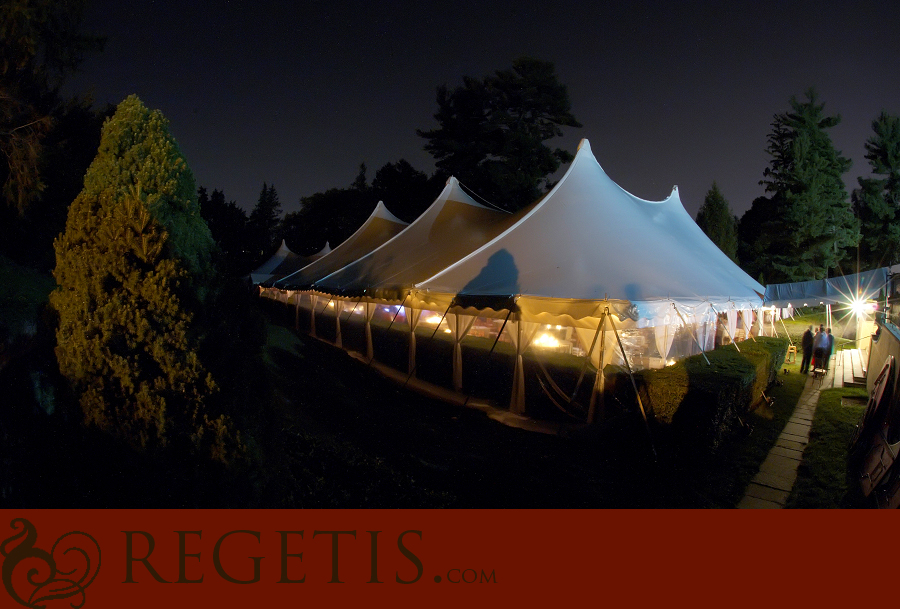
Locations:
column 587, row 357
column 353, row 309
column 691, row 330
column 600, row 382
column 398, row 311
column 749, row 333
column 634, row 385
column 726, row 329
column 437, row 327
column 786, row 331
column 500, row 333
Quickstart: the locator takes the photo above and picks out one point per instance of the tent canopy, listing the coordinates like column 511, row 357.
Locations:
column 836, row 290
column 590, row 242
column 282, row 263
column 381, row 226
column 452, row 227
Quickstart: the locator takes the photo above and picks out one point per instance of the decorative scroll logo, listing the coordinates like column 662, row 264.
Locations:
column 33, row 577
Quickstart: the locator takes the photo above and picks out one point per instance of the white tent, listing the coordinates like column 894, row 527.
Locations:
column 266, row 269
column 589, row 241
column 452, row 227
column 283, row 262
column 380, row 226
column 588, row 248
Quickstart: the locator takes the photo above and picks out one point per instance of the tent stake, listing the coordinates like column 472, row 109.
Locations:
column 691, row 330
column 634, row 385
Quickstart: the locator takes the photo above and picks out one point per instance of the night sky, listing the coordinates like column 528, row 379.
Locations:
column 298, row 94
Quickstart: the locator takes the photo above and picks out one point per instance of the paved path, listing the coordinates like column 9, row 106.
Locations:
column 770, row 488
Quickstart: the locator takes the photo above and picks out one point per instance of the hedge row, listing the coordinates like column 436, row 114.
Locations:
column 702, row 402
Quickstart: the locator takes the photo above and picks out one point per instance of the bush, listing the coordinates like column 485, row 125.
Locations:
column 701, row 403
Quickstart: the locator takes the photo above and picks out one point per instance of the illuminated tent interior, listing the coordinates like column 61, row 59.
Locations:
column 453, row 226
column 588, row 270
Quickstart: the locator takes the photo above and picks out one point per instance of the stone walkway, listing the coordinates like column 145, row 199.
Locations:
column 770, row 488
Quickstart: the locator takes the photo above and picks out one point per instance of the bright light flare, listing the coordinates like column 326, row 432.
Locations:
column 546, row 340
column 434, row 319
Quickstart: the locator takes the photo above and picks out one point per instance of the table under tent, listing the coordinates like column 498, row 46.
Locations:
column 589, row 270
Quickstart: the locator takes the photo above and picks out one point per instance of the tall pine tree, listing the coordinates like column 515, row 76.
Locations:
column 263, row 223
column 717, row 221
column 133, row 267
column 492, row 131
column 877, row 200
column 812, row 226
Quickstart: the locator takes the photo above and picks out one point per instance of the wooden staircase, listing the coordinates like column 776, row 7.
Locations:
column 852, row 367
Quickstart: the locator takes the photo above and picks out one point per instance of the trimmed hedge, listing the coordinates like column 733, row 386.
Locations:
column 701, row 403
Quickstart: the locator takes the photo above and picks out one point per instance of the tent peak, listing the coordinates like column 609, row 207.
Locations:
column 381, row 211
column 585, row 144
column 451, row 181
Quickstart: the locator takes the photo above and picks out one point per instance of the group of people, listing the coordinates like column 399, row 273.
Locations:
column 817, row 348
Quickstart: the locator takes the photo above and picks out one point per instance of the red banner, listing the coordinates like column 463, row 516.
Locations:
column 474, row 558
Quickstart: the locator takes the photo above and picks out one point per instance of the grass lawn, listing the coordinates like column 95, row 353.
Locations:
column 824, row 480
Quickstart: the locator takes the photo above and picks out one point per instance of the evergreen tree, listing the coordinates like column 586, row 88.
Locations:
column 228, row 225
column 812, row 226
column 753, row 242
column 132, row 267
column 404, row 190
column 41, row 46
column 263, row 224
column 717, row 221
column 877, row 200
column 492, row 132
column 360, row 183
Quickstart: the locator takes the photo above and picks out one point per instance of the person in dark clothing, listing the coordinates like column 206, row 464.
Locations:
column 820, row 344
column 829, row 349
column 806, row 343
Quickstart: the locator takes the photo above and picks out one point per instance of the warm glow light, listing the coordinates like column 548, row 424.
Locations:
column 670, row 362
column 447, row 331
column 545, row 340
column 559, row 327
column 434, row 319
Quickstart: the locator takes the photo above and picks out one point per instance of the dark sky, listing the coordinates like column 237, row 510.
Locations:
column 300, row 93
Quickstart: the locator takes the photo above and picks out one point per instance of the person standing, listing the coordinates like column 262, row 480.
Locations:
column 820, row 343
column 806, row 343
column 829, row 349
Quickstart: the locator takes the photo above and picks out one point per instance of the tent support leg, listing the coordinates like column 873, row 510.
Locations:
column 786, row 331
column 500, row 333
column 634, row 385
column 438, row 326
column 690, row 329
column 744, row 319
column 398, row 311
column 587, row 357
column 726, row 331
